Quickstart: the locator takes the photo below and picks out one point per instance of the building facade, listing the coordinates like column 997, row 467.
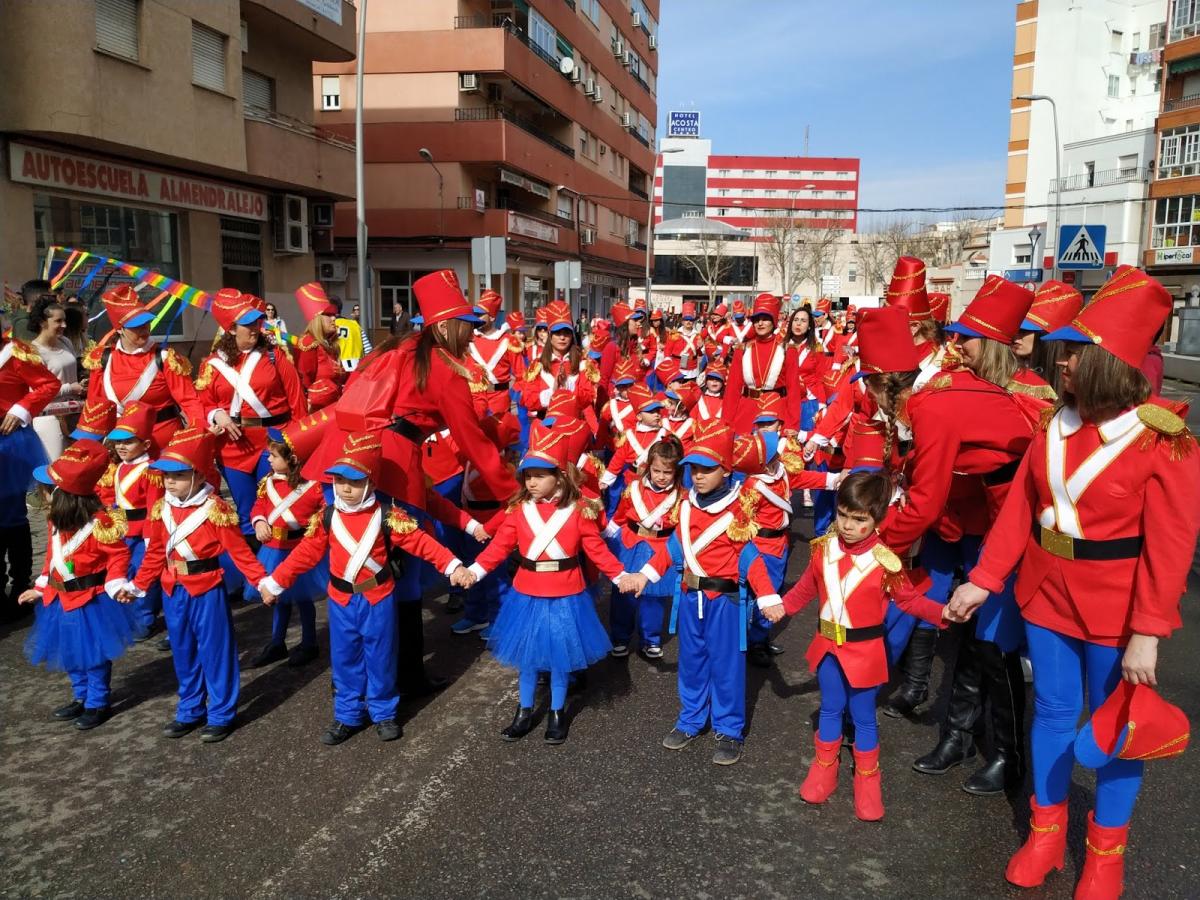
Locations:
column 528, row 121
column 183, row 143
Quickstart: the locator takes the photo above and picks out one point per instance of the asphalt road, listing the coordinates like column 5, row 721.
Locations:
column 452, row 811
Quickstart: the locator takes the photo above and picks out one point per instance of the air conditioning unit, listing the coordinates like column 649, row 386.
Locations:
column 626, row 120
column 627, row 59
column 637, row 20
column 331, row 270
column 618, row 47
column 468, row 82
column 576, row 76
column 654, row 42
column 598, row 95
column 290, row 224
column 322, row 215
column 630, row 240
column 587, row 235
column 589, row 87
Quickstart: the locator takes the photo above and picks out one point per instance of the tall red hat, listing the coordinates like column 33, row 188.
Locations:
column 823, row 307
column 563, row 405
column 865, row 443
column 1133, row 723
column 124, row 308
column 189, row 448
column 1054, row 305
column 656, row 315
column 907, row 288
column 558, row 316
column 231, row 307
column 770, row 408
column 507, row 432
column 885, row 342
column 313, row 301
column 548, row 449
column 601, row 335
column 491, row 302
column 515, row 320
column 720, row 310
column 689, row 310
column 77, row 469
column 752, row 452
column 136, row 422
column 939, row 307
column 306, row 433
column 640, row 308
column 441, row 298
column 1124, row 317
column 620, row 312
column 739, row 309
column 578, row 437
column 715, row 370
column 96, row 420
column 539, row 317
column 625, row 372
column 712, row 445
column 641, row 397
column 668, row 370
column 996, row 312
column 360, row 457
column 766, row 305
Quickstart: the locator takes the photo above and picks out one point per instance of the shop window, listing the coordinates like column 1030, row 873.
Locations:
column 208, row 58
column 117, row 27
column 395, row 290
column 1176, row 222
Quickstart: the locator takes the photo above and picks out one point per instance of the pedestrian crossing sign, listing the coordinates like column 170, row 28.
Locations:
column 1081, row 246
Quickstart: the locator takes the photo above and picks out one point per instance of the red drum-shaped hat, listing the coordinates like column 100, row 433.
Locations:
column 516, row 320
column 189, row 448
column 720, row 311
column 642, row 398
column 620, row 312
column 313, row 301
column 689, row 310
column 625, row 372
column 360, row 458
column 539, row 317
column 548, row 449
column 656, row 315
column 1124, row 316
column 823, row 307
column 563, row 405
column 124, row 309
column 766, row 305
column 136, row 422
column 78, row 469
column 712, row 445
column 1133, row 723
column 865, row 443
column 577, row 435
column 907, row 289
column 441, row 298
column 739, row 309
column 558, row 316
column 885, row 342
column 640, row 308
column 96, row 420
column 715, row 370
column 601, row 335
column 770, row 409
column 491, row 302
column 1054, row 306
column 939, row 307
column 306, row 433
column 230, row 307
column 507, row 431
column 752, row 452
column 997, row 311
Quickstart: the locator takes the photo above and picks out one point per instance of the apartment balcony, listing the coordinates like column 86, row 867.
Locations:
column 482, row 114
column 1086, row 180
column 302, row 31
column 294, row 155
column 1188, row 102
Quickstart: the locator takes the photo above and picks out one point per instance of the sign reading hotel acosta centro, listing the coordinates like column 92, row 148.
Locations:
column 684, row 123
column 118, row 181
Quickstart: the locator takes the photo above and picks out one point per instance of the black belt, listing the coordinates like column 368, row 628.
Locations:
column 135, row 515
column 755, row 393
column 1002, row 475
column 771, row 532
column 706, row 583
column 483, row 504
column 82, row 583
column 268, row 422
column 195, row 566
column 382, row 577
column 500, row 386
column 407, row 429
column 548, row 565
column 167, row 413
column 651, row 533
column 1066, row 547
column 840, row 634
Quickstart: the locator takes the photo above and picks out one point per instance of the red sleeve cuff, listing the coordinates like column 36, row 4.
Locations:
column 1145, row 623
column 982, row 579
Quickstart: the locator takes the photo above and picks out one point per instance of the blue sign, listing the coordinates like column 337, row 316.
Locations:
column 683, row 124
column 1081, row 246
column 796, row 299
column 1023, row 274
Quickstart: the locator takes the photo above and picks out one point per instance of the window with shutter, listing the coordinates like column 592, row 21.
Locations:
column 208, row 57
column 258, row 91
column 117, row 27
column 331, row 92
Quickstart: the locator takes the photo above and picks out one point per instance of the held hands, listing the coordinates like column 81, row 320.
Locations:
column 480, row 534
column 462, row 577
column 29, row 596
column 262, row 531
column 773, row 613
column 810, row 450
column 223, row 424
column 965, row 602
column 632, row 583
column 1140, row 660
column 10, row 424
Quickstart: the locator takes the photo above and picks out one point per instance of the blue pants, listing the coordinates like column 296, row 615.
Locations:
column 282, row 616
column 836, row 697
column 243, row 487
column 1062, row 666
column 647, row 610
column 362, row 651
column 712, row 667
column 145, row 609
column 204, row 650
column 824, row 506
column 90, row 686
column 760, row 628
column 527, row 688
column 482, row 600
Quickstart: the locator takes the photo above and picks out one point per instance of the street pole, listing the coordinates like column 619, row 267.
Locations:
column 1057, row 177
column 650, row 218
column 360, row 205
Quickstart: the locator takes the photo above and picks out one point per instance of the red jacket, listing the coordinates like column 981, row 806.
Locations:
column 101, row 552
column 493, row 357
column 862, row 577
column 569, row 532
column 541, row 382
column 708, row 406
column 375, row 571
column 1123, row 479
column 118, row 378
column 759, row 364
column 26, row 385
column 441, row 459
column 315, row 363
column 133, row 487
column 643, row 509
column 205, row 537
column 287, row 510
column 632, row 448
column 808, row 374
column 772, row 497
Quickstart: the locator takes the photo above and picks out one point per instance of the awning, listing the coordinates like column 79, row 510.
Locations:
column 1183, row 66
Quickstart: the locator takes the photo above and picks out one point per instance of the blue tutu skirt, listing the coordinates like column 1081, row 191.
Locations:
column 20, row 453
column 633, row 558
column 71, row 641
column 548, row 634
column 312, row 585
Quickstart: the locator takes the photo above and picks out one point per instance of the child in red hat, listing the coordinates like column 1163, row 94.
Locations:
column 80, row 627
column 635, row 442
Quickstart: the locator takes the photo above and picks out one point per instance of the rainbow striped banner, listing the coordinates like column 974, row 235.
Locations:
column 166, row 285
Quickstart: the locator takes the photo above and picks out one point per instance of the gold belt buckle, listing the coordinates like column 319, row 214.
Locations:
column 546, row 565
column 1057, row 543
column 833, row 631
column 691, row 581
column 181, row 567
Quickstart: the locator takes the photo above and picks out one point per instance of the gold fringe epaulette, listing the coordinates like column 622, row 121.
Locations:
column 222, row 513
column 672, row 518
column 939, row 383
column 743, row 528
column 93, row 356
column 154, row 476
column 893, row 582
column 262, row 487
column 401, row 522
column 111, row 526
column 886, row 558
column 156, row 511
column 818, row 543
column 595, row 463
column 515, row 344
column 1164, row 428
column 951, row 356
column 792, row 462
column 591, row 372
column 1046, row 416
column 533, row 372
column 26, row 353
column 109, row 477
column 1038, row 391
column 306, row 342
column 179, row 364
column 204, row 379
column 589, row 508
column 314, row 522
column 620, row 440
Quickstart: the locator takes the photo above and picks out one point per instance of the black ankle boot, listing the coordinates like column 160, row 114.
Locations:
column 916, row 666
column 955, row 748
column 1003, row 773
column 556, row 727
column 522, row 724
column 1004, row 683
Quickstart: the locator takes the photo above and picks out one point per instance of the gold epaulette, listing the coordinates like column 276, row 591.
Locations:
column 1046, row 415
column 306, row 342
column 743, row 528
column 533, row 371
column 792, row 462
column 26, row 353
column 886, row 558
column 156, row 511
column 620, row 440
column 93, row 356
column 939, row 383
column 818, row 543
column 154, row 476
column 1038, row 391
column 262, row 487
column 596, row 463
column 314, row 522
column 204, row 379
column 591, row 372
column 1165, row 428
column 672, row 518
column 178, row 363
column 109, row 476
column 589, row 508
column 110, row 527
column 222, row 513
column 400, row 522
column 515, row 344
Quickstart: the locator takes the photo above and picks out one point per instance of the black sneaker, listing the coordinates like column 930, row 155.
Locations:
column 164, row 645
column 728, row 751
column 339, row 733
column 677, row 740
column 178, row 729
column 93, row 717
column 269, row 654
column 214, row 734
column 72, row 710
column 388, row 730
column 303, row 655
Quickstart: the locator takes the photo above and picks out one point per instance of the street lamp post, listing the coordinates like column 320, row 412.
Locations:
column 1035, row 235
column 1057, row 175
column 428, row 157
column 360, row 203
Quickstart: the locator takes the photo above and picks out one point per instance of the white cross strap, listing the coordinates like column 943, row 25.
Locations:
column 60, row 553
column 649, row 518
column 281, row 506
column 124, row 484
column 359, row 552
column 693, row 549
column 139, row 387
column 239, row 380
column 545, row 533
column 177, row 534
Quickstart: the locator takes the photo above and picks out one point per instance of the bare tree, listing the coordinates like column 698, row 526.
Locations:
column 877, row 250
column 710, row 261
column 873, row 260
column 781, row 249
column 816, row 251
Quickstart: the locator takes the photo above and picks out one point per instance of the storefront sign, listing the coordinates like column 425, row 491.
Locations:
column 118, row 181
column 528, row 184
column 518, row 224
column 330, row 9
column 1173, row 256
column 684, row 123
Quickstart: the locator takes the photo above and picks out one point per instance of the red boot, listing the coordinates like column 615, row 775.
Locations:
column 868, row 787
column 822, row 777
column 1104, row 866
column 1043, row 850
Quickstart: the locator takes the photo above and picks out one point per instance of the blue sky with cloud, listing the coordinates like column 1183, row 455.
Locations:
column 917, row 89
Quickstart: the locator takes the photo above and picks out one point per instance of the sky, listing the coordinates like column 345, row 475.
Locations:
column 917, row 89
